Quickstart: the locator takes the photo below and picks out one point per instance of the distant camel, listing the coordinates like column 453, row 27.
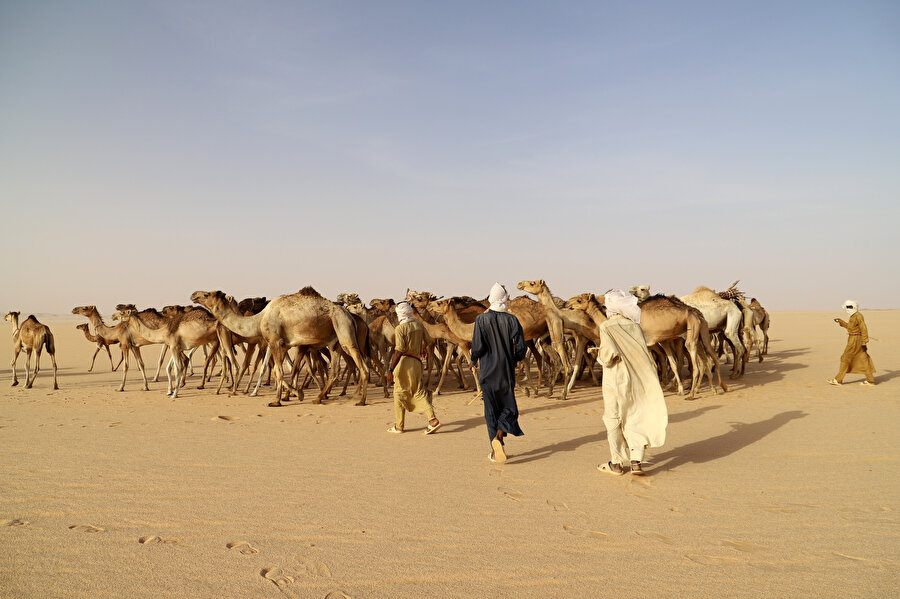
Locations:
column 101, row 344
column 31, row 336
column 128, row 342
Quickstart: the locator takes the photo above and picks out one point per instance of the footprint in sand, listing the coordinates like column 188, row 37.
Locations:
column 226, row 418
column 743, row 546
column 154, row 540
column 85, row 528
column 243, row 546
column 16, row 522
column 558, row 506
column 655, row 536
column 114, row 424
column 511, row 493
column 578, row 532
column 282, row 581
column 313, row 568
column 337, row 595
column 710, row 560
column 851, row 557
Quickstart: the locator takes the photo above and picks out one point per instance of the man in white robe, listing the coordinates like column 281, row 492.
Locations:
column 634, row 410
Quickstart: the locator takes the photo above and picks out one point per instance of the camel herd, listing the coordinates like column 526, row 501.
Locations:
column 329, row 341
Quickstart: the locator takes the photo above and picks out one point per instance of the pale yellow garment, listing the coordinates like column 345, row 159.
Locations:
column 632, row 395
column 410, row 395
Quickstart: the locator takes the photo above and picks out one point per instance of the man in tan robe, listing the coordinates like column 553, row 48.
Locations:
column 405, row 373
column 634, row 410
column 855, row 358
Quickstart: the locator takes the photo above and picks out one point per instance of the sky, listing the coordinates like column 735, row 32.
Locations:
column 151, row 149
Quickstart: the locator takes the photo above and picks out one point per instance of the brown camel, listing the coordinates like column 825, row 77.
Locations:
column 181, row 332
column 117, row 334
column 101, row 344
column 581, row 326
column 31, row 336
column 664, row 319
column 763, row 323
column 300, row 319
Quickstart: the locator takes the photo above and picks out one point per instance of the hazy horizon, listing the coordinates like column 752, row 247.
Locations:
column 148, row 150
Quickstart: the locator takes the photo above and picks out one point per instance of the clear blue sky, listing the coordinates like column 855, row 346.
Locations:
column 150, row 149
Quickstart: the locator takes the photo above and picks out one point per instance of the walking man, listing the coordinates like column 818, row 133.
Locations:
column 634, row 410
column 855, row 358
column 497, row 345
column 405, row 372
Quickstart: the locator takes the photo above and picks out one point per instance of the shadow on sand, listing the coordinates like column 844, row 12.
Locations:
column 741, row 435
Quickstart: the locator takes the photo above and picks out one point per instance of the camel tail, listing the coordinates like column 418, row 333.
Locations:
column 49, row 343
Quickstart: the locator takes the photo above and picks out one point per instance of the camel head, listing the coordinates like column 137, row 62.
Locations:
column 11, row 317
column 442, row 307
column 213, row 300
column 83, row 326
column 641, row 292
column 534, row 287
column 585, row 301
column 357, row 309
column 383, row 306
column 85, row 311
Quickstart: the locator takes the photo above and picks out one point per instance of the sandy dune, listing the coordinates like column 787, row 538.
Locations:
column 785, row 487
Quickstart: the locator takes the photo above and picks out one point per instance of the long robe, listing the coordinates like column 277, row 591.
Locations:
column 855, row 359
column 498, row 343
column 410, row 395
column 634, row 408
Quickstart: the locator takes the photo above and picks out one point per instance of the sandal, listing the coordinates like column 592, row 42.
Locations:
column 610, row 468
column 394, row 429
column 430, row 429
column 867, row 384
column 833, row 382
column 636, row 468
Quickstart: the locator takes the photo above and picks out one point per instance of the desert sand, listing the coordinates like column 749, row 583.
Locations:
column 783, row 487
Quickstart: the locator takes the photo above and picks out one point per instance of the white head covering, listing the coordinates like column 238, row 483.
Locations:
column 405, row 312
column 499, row 298
column 620, row 302
column 851, row 307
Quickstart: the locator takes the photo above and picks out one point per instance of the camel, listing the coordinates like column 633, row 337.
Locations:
column 754, row 316
column 555, row 323
column 301, row 319
column 663, row 319
column 101, row 344
column 763, row 323
column 583, row 329
column 191, row 329
column 152, row 318
column 31, row 336
column 117, row 334
column 721, row 314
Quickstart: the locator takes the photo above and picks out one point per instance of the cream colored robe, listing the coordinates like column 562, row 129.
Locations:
column 634, row 406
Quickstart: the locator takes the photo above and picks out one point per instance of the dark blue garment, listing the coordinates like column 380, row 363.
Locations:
column 497, row 345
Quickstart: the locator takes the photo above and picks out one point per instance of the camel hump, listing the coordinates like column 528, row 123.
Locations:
column 703, row 288
column 308, row 291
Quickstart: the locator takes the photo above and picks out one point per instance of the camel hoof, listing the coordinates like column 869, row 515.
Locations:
column 14, row 384
column 274, row 404
column 361, row 402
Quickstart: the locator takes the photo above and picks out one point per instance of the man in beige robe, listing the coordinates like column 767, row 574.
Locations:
column 634, row 410
column 855, row 358
column 405, row 373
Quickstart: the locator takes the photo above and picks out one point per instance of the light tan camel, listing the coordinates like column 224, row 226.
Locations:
column 31, row 336
column 721, row 315
column 301, row 319
column 182, row 332
column 117, row 334
column 764, row 322
column 755, row 316
column 577, row 322
column 152, row 318
column 101, row 344
column 434, row 316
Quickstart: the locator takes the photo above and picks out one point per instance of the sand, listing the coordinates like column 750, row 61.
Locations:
column 784, row 487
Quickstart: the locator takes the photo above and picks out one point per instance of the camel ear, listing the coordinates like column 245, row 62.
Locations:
column 229, row 299
column 542, row 282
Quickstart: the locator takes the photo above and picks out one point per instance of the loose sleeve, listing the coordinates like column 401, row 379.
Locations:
column 842, row 323
column 478, row 345
column 863, row 330
column 518, row 340
column 609, row 351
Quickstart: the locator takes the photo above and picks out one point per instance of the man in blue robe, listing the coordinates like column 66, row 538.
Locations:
column 497, row 345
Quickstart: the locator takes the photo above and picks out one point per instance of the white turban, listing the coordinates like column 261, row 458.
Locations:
column 619, row 302
column 405, row 312
column 851, row 307
column 499, row 298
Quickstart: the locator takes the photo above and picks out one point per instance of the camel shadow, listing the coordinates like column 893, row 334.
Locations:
column 741, row 435
column 774, row 367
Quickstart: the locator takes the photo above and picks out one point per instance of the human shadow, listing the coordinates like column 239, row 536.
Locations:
column 573, row 444
column 886, row 376
column 774, row 367
column 461, row 425
column 741, row 435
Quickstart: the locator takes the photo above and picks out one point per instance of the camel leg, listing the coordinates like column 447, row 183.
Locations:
column 109, row 355
column 53, row 361
column 444, row 366
column 580, row 343
column 278, row 353
column 121, row 357
column 140, row 362
column 261, row 372
column 162, row 355
column 17, row 349
column 97, row 351
column 667, row 348
column 360, row 362
column 29, row 381
column 124, row 370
